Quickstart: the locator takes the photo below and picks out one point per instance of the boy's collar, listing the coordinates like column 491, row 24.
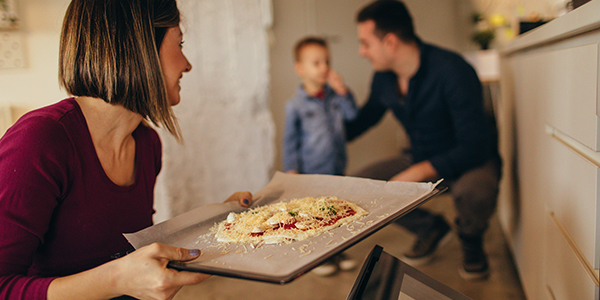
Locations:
column 321, row 95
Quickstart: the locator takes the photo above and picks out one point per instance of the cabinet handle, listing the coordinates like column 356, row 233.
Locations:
column 587, row 153
column 580, row 257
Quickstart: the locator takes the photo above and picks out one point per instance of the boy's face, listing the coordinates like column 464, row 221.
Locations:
column 313, row 64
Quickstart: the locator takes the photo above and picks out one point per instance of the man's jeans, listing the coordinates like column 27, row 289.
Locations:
column 475, row 195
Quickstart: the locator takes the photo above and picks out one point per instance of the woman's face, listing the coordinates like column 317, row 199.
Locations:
column 173, row 62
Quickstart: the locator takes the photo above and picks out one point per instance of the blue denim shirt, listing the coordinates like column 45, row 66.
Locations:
column 314, row 140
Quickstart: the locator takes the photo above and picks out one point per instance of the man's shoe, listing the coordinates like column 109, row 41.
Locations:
column 475, row 265
column 328, row 268
column 423, row 248
column 346, row 263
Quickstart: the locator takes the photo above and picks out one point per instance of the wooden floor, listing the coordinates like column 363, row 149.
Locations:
column 503, row 282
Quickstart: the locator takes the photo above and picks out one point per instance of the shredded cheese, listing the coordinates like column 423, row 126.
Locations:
column 286, row 222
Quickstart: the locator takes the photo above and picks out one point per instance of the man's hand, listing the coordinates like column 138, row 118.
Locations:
column 419, row 172
column 336, row 83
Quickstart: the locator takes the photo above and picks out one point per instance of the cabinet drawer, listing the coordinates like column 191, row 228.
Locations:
column 564, row 276
column 572, row 184
column 565, row 82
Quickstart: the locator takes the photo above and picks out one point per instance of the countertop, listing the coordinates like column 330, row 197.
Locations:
column 583, row 19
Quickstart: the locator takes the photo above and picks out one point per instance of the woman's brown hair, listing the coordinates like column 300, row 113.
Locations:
column 109, row 50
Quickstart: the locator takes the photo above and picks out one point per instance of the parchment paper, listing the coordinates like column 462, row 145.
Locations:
column 385, row 202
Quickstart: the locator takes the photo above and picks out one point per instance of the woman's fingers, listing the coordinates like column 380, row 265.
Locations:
column 180, row 278
column 170, row 253
column 188, row 278
column 244, row 198
column 148, row 276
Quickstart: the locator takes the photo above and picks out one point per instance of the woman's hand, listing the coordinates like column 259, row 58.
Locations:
column 144, row 274
column 244, row 198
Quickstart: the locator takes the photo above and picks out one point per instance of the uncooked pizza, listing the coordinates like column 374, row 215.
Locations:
column 285, row 222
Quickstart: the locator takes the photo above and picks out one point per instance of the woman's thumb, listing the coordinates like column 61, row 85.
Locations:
column 182, row 254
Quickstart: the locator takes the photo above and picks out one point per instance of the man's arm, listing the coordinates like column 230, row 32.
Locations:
column 343, row 95
column 291, row 140
column 418, row 172
column 367, row 116
column 463, row 96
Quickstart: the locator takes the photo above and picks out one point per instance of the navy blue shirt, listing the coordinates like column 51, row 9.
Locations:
column 442, row 112
column 314, row 140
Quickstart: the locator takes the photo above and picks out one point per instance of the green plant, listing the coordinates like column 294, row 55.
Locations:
column 6, row 14
column 483, row 38
column 476, row 17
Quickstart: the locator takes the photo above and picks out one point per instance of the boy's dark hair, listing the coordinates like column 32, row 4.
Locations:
column 311, row 40
column 390, row 16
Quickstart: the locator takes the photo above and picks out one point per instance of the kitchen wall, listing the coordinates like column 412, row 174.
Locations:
column 36, row 83
column 518, row 9
column 224, row 112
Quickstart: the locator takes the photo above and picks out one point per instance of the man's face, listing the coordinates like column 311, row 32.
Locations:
column 372, row 47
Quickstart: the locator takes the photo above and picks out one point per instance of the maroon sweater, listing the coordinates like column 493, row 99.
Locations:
column 60, row 214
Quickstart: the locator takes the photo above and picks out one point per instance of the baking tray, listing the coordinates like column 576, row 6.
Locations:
column 385, row 201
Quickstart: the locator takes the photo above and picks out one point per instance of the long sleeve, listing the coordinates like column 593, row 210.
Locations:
column 367, row 116
column 60, row 214
column 291, row 139
column 348, row 105
column 463, row 96
column 31, row 186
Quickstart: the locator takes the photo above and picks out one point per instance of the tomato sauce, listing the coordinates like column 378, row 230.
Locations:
column 349, row 212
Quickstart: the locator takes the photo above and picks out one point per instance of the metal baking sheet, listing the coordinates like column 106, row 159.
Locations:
column 385, row 201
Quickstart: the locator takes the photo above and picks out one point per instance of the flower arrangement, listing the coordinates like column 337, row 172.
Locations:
column 8, row 17
column 485, row 29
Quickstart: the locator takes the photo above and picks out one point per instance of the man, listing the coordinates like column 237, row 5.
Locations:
column 437, row 97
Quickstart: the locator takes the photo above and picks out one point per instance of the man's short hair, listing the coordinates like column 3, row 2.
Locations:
column 390, row 16
column 311, row 40
column 109, row 49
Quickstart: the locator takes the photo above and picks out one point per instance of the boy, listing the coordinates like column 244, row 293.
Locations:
column 314, row 140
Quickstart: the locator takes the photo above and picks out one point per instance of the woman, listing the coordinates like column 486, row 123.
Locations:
column 79, row 173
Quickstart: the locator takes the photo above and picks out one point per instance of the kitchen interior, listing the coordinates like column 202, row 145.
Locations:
column 540, row 71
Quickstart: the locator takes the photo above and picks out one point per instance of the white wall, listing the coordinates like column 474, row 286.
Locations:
column 224, row 113
column 36, row 84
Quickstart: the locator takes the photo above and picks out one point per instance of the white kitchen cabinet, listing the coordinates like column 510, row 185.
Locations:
column 550, row 142
column 563, row 276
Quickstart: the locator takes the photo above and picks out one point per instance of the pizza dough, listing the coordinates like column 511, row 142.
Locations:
column 282, row 222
